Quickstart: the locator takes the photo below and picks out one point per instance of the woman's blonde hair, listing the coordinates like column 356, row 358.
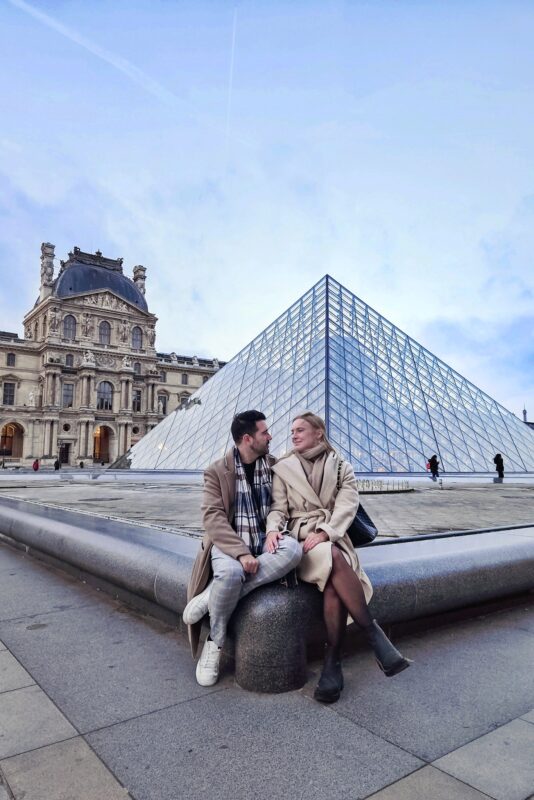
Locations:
column 317, row 423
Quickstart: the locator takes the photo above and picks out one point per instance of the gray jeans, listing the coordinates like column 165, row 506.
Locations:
column 231, row 582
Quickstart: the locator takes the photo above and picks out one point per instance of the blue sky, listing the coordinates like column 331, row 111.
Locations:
column 242, row 150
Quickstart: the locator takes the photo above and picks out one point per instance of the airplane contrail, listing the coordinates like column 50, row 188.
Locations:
column 135, row 74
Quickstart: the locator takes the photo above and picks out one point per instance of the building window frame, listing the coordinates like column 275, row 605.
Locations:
column 11, row 359
column 137, row 338
column 104, row 332
column 69, row 327
column 185, row 379
column 8, row 393
column 104, row 396
column 137, row 401
column 67, row 395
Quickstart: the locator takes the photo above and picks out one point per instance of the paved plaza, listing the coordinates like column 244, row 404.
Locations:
column 99, row 702
column 173, row 502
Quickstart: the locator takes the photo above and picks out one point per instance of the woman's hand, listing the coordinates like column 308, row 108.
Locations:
column 313, row 540
column 271, row 541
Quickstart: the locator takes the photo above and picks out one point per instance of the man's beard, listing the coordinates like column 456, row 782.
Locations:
column 260, row 450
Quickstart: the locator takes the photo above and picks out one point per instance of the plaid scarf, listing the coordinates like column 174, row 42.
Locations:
column 252, row 507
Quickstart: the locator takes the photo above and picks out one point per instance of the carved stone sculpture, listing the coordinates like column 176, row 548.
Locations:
column 123, row 331
column 47, row 264
column 87, row 325
column 88, row 359
column 53, row 321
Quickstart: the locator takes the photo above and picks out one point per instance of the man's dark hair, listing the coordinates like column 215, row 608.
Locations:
column 245, row 422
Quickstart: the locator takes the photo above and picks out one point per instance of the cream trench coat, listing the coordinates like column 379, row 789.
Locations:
column 296, row 506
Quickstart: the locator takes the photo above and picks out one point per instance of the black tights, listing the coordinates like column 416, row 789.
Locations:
column 343, row 593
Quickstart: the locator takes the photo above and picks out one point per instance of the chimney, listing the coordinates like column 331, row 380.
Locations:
column 47, row 269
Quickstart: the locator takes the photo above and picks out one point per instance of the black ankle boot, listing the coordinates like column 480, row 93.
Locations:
column 331, row 681
column 388, row 658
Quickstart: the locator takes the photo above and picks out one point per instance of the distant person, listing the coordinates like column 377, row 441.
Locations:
column 236, row 555
column 35, row 465
column 499, row 465
column 433, row 465
column 57, row 465
column 82, row 465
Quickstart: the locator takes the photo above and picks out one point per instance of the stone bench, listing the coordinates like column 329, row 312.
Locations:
column 272, row 627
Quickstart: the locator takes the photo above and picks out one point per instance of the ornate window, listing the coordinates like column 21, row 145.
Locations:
column 68, row 395
column 69, row 360
column 137, row 399
column 205, row 378
column 137, row 367
column 185, row 378
column 184, row 399
column 137, row 338
column 9, row 394
column 163, row 376
column 104, row 396
column 104, row 332
column 69, row 327
column 10, row 359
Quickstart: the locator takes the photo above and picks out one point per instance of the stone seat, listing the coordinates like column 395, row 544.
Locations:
column 271, row 628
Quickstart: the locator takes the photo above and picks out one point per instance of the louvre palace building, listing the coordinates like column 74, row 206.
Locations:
column 86, row 382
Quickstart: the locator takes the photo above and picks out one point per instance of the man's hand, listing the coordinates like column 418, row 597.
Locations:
column 249, row 564
column 313, row 540
column 271, row 541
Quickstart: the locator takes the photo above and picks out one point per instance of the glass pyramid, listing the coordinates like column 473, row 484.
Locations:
column 388, row 403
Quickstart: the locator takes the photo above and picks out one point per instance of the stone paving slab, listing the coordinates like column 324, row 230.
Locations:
column 47, row 593
column 12, row 674
column 234, row 744
column 103, row 664
column 449, row 696
column 500, row 763
column 2, row 646
column 28, row 719
column 460, row 505
column 65, row 771
column 429, row 783
column 529, row 717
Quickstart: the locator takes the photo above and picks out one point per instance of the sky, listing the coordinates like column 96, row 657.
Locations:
column 241, row 150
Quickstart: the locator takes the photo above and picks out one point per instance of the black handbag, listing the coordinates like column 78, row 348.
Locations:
column 362, row 529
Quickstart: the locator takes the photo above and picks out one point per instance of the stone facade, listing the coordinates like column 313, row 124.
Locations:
column 86, row 381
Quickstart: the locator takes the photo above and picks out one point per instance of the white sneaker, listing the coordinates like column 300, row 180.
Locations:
column 208, row 664
column 197, row 607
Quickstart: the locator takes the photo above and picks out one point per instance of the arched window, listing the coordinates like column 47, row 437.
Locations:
column 137, row 367
column 104, row 332
column 104, row 396
column 10, row 359
column 137, row 338
column 69, row 360
column 69, row 327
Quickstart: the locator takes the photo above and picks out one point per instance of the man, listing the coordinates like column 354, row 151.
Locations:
column 236, row 556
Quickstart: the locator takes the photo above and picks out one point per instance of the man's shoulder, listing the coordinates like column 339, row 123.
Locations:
column 222, row 464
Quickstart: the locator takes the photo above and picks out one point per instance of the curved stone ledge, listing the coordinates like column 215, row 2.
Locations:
column 272, row 626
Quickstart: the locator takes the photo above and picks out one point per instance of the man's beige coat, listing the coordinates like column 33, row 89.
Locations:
column 296, row 504
column 218, row 514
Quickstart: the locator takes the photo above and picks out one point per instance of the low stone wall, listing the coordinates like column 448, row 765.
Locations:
column 272, row 626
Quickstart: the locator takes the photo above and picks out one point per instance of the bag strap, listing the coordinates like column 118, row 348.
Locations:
column 338, row 482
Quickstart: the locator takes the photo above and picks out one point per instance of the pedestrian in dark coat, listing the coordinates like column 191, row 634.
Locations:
column 499, row 465
column 434, row 464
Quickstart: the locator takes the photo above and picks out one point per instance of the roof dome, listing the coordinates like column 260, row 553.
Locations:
column 85, row 272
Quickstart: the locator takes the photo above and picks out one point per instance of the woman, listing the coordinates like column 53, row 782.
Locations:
column 315, row 497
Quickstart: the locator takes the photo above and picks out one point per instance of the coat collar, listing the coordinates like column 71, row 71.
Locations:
column 290, row 470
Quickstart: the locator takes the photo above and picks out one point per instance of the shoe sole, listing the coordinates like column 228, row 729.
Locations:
column 326, row 698
column 407, row 662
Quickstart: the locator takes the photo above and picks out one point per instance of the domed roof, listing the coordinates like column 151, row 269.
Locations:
column 85, row 272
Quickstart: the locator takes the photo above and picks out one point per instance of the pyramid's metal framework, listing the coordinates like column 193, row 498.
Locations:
column 388, row 402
